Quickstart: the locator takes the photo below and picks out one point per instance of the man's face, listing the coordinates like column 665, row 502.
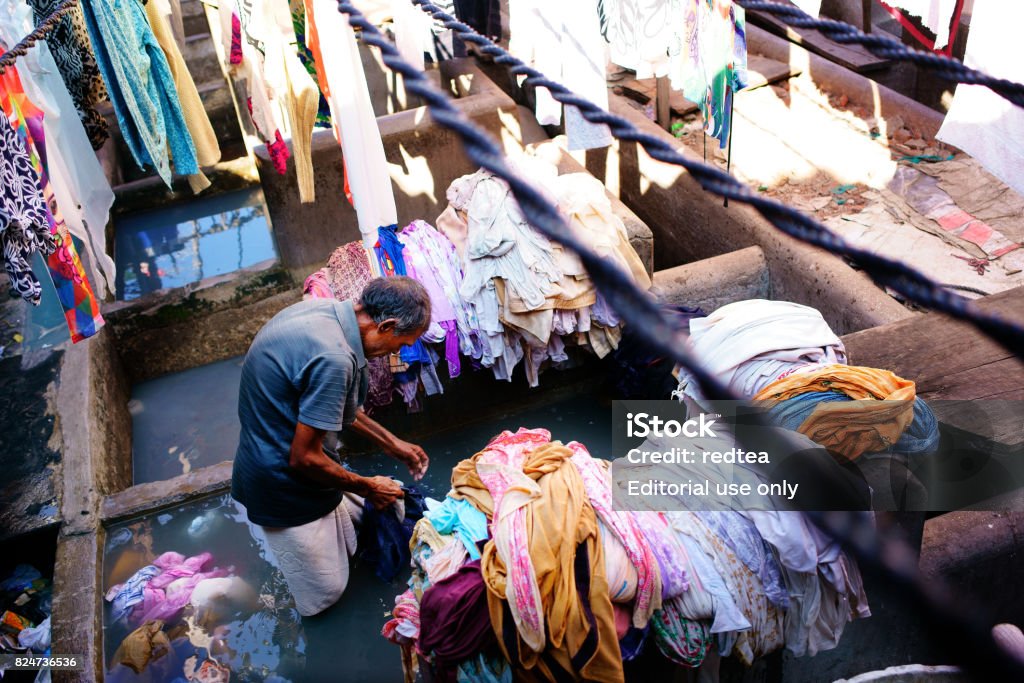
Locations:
column 381, row 340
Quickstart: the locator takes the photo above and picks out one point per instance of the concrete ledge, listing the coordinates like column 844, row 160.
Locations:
column 182, row 328
column 76, row 624
column 717, row 281
column 424, row 157
column 153, row 496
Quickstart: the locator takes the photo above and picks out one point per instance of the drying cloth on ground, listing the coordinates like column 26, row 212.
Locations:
column 980, row 122
column 314, row 557
column 454, row 621
column 881, row 408
column 384, row 535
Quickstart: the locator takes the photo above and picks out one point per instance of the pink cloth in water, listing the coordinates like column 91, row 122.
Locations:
column 168, row 592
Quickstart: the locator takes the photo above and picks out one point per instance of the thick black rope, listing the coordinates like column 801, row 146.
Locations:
column 638, row 309
column 890, row 48
column 906, row 281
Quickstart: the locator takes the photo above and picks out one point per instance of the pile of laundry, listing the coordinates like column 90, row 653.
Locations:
column 25, row 604
column 525, row 567
column 176, row 605
column 501, row 293
column 785, row 355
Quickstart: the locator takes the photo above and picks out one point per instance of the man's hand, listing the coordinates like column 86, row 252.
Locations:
column 410, row 454
column 414, row 457
column 384, row 491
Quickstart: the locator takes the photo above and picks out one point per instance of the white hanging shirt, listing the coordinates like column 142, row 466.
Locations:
column 355, row 124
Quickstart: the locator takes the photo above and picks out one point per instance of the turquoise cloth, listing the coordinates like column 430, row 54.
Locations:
column 459, row 517
column 141, row 86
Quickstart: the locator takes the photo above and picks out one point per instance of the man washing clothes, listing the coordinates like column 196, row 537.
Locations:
column 305, row 375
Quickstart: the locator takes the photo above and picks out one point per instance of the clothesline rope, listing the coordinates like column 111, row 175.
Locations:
column 905, row 280
column 637, row 308
column 42, row 30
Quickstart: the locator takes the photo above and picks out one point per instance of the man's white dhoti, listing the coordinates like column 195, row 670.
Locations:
column 314, row 557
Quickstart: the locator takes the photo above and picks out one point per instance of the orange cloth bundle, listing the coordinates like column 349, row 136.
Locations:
column 881, row 409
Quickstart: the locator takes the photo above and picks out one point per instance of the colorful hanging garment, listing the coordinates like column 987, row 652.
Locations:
column 708, row 61
column 81, row 309
column 141, row 86
column 341, row 78
column 72, row 51
column 298, row 10
column 23, row 226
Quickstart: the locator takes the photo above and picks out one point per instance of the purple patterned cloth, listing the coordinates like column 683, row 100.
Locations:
column 442, row 314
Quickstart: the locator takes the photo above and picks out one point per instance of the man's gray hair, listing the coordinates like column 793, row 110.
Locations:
column 399, row 297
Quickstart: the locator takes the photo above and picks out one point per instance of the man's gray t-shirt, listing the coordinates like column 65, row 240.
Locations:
column 306, row 365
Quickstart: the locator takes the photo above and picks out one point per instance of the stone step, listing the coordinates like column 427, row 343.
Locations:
column 196, row 24
column 201, row 57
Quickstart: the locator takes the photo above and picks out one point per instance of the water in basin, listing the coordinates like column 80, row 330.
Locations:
column 188, row 242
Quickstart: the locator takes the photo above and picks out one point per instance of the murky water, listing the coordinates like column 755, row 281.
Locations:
column 184, row 421
column 343, row 643
column 190, row 241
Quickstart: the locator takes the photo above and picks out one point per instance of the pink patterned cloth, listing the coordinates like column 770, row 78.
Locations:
column 343, row 278
column 317, row 287
column 597, row 484
column 168, row 592
column 236, row 40
column 500, row 468
column 670, row 553
column 405, row 624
